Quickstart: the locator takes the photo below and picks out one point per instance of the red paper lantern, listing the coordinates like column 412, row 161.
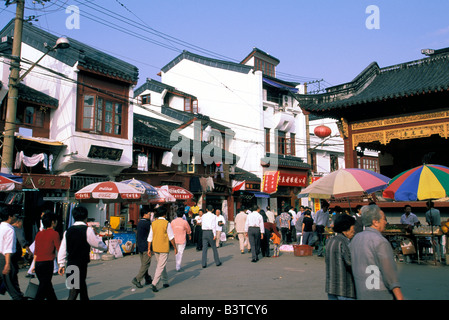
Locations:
column 322, row 131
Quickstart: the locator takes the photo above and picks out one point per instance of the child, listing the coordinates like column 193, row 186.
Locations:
column 277, row 243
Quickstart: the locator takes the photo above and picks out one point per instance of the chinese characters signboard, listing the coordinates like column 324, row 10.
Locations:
column 270, row 182
column 273, row 179
column 45, row 181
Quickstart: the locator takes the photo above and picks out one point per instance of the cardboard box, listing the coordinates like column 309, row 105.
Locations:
column 407, row 247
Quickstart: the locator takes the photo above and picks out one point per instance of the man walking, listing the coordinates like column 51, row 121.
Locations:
column 8, row 264
column 321, row 221
column 143, row 230
column 240, row 221
column 255, row 230
column 373, row 265
column 181, row 229
column 209, row 227
column 159, row 239
column 75, row 252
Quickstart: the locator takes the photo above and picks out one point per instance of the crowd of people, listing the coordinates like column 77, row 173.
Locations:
column 359, row 259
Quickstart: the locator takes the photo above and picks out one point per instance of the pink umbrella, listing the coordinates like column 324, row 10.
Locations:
column 109, row 191
column 346, row 183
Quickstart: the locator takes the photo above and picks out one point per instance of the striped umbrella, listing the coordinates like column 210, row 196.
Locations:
column 429, row 181
column 108, row 191
column 345, row 183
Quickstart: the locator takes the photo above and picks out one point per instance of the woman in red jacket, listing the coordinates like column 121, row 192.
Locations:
column 47, row 243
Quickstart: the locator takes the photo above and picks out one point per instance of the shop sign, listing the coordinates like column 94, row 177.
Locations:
column 270, row 182
column 105, row 153
column 45, row 181
column 293, row 179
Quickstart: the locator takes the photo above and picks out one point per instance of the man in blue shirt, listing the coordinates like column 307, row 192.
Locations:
column 321, row 221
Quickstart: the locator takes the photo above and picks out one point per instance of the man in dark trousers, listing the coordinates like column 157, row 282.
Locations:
column 209, row 227
column 75, row 253
column 8, row 247
column 143, row 230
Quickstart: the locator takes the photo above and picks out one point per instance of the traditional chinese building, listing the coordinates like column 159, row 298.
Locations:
column 400, row 111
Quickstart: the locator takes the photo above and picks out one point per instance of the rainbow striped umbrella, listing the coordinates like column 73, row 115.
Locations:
column 425, row 182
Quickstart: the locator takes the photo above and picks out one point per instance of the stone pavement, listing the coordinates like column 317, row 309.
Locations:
column 287, row 277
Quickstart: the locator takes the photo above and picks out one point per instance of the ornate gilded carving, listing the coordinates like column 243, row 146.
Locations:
column 412, row 132
column 400, row 120
column 343, row 127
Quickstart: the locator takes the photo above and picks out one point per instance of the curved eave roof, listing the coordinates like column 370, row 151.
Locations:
column 403, row 80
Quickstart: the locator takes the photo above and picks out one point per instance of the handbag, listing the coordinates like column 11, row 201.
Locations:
column 31, row 290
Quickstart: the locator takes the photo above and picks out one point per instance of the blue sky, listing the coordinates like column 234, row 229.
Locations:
column 319, row 39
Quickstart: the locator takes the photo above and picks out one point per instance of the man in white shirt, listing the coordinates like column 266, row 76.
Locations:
column 293, row 223
column 255, row 230
column 209, row 227
column 8, row 265
column 75, row 252
column 240, row 221
column 270, row 215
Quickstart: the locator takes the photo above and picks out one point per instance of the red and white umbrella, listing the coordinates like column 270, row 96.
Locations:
column 163, row 196
column 108, row 191
column 179, row 193
column 10, row 182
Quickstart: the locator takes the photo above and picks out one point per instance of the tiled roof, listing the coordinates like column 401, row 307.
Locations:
column 377, row 84
column 185, row 117
column 29, row 94
column 159, row 87
column 215, row 63
column 243, row 175
column 156, row 133
column 285, row 161
column 86, row 56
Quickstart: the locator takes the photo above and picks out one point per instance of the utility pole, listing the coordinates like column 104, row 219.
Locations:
column 13, row 93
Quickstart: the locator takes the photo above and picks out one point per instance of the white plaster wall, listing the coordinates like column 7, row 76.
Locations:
column 231, row 98
column 63, row 119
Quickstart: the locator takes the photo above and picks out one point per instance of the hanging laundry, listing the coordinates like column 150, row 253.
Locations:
column 167, row 158
column 142, row 162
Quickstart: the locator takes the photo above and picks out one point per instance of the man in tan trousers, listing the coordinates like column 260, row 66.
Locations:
column 240, row 221
column 159, row 239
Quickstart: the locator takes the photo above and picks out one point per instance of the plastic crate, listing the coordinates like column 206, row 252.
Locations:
column 302, row 250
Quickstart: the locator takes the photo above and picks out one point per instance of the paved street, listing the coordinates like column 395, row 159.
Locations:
column 287, row 277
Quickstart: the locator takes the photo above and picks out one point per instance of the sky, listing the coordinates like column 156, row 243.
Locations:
column 329, row 40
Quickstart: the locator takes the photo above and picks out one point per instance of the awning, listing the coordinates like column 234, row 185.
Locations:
column 40, row 140
column 280, row 85
column 259, row 194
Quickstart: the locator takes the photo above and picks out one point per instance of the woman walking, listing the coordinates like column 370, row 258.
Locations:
column 47, row 242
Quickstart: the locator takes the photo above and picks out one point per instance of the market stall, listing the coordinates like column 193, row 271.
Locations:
column 401, row 239
column 428, row 237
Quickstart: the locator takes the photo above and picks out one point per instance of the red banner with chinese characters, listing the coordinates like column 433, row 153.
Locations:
column 270, row 182
column 293, row 179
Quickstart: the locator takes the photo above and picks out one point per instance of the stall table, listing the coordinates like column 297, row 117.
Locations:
column 396, row 234
column 428, row 232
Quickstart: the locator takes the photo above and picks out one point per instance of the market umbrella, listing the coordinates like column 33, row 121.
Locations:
column 108, row 191
column 345, row 183
column 426, row 182
column 163, row 196
column 9, row 182
column 144, row 187
column 179, row 193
